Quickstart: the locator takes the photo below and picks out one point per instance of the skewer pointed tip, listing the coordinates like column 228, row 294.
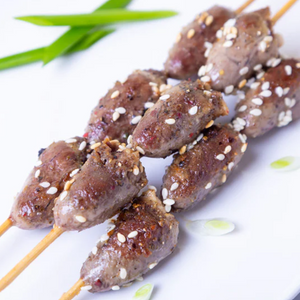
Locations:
column 73, row 291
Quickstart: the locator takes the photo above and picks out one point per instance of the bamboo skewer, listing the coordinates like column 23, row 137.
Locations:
column 30, row 257
column 283, row 10
column 5, row 226
column 73, row 291
column 243, row 6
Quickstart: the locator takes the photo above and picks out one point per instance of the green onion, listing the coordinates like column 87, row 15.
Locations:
column 35, row 55
column 288, row 163
column 102, row 17
column 73, row 35
column 144, row 293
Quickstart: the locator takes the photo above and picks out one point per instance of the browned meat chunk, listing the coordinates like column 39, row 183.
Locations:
column 144, row 235
column 120, row 109
column 33, row 206
column 273, row 102
column 189, row 52
column 244, row 43
column 206, row 166
column 178, row 118
column 108, row 181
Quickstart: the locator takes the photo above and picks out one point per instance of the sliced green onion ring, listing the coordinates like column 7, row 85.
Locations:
column 144, row 293
column 288, row 163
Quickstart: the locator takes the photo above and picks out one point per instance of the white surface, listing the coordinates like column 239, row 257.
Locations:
column 260, row 260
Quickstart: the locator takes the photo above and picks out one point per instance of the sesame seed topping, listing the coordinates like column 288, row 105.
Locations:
column 229, row 89
column 80, row 219
column 298, row 65
column 170, row 121
column 208, row 186
column 115, row 94
column 152, row 83
column 202, row 71
column 257, row 67
column 209, row 124
column 191, row 33
column 152, row 187
column 164, row 193
column 243, row 138
column 121, row 110
column 174, row 186
column 224, row 178
column 260, row 75
column 178, row 37
column 244, row 148
column 37, row 173
column 151, row 266
column 96, row 145
column 38, row 163
column 208, row 67
column 256, row 112
column 53, row 190
column 262, row 46
column 104, row 237
column 276, row 62
column 257, row 101
column 241, row 121
column 164, row 97
column 168, row 208
column 123, row 273
column 279, row 91
column 121, row 237
column 115, row 288
column 182, row 150
column 286, row 90
column 63, row 195
column 208, row 45
column 230, row 23
column 288, row 70
column 141, row 150
column 199, row 138
column 230, row 166
column 206, row 53
column 95, row 250
column 228, row 44
column 148, row 105
column 254, row 85
column 86, row 288
column 242, row 108
column 227, row 149
column 74, row 172
column 242, row 83
column 115, row 116
column 68, row 184
column 205, row 78
column 219, row 34
column 220, row 157
column 230, row 36
column 45, row 184
column 244, row 71
column 70, row 141
column 136, row 170
column 82, row 146
column 140, row 278
column 266, row 93
column 265, row 85
column 169, row 202
column 193, row 110
column 268, row 38
column 132, row 234
column 136, row 120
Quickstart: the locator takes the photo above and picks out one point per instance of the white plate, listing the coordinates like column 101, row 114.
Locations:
column 260, row 260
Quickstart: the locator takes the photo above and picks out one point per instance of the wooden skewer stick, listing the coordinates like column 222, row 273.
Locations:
column 283, row 10
column 243, row 6
column 73, row 291
column 30, row 257
column 5, row 226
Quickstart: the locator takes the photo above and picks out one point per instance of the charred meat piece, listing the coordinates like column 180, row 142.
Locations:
column 33, row 206
column 190, row 51
column 144, row 235
column 107, row 182
column 120, row 109
column 245, row 43
column 194, row 174
column 274, row 101
column 178, row 118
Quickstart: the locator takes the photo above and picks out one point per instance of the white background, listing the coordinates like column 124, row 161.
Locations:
column 260, row 260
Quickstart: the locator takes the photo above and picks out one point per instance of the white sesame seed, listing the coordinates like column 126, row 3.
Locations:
column 219, row 34
column 178, row 37
column 220, row 157
column 63, row 195
column 210, row 123
column 257, row 67
column 286, row 90
column 139, row 278
column 287, row 101
column 45, row 184
column 115, row 116
column 121, row 110
column 224, row 178
column 205, row 78
column 136, row 120
column 230, row 36
column 230, row 23
column 95, row 250
column 288, row 70
column 208, row 186
column 152, row 187
column 242, row 138
column 86, row 288
column 279, row 91
column 208, row 45
column 230, row 166
column 127, row 284
column 115, row 288
column 266, row 93
column 244, row 148
column 227, row 149
column 164, row 193
column 174, row 186
column 298, row 65
column 110, row 227
column 260, row 75
column 148, row 105
column 276, row 62
column 268, row 38
column 168, row 208
column 242, row 108
column 37, row 173
column 136, row 170
column 82, row 146
column 70, row 141
column 80, row 219
column 256, row 112
column 262, row 46
column 199, row 138
column 123, row 273
column 265, row 85
column 270, row 61
column 104, row 237
column 202, row 71
column 207, row 51
column 170, row 121
column 241, row 121
column 257, row 101
column 228, row 44
column 74, row 172
column 152, row 83
column 229, row 89
column 151, row 266
column 141, row 150
column 254, row 85
column 95, row 145
column 209, row 67
column 193, row 110
column 121, row 237
column 169, row 202
column 132, row 234
column 293, row 103
column 164, row 97
column 244, row 71
column 115, row 94
column 209, row 20
column 38, row 163
column 191, row 33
